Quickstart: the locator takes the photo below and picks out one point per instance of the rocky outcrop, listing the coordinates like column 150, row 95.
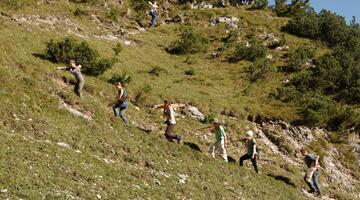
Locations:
column 231, row 22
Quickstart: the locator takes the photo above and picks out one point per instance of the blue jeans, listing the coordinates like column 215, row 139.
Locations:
column 119, row 110
column 153, row 18
column 314, row 186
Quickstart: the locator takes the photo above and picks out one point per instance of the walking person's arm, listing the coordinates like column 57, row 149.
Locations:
column 225, row 138
column 115, row 101
column 254, row 152
column 204, row 128
column 62, row 68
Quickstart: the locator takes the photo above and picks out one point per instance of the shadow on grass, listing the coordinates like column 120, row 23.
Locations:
column 193, row 146
column 231, row 159
column 284, row 179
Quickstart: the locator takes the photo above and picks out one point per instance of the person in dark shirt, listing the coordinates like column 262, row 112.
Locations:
column 251, row 151
column 312, row 173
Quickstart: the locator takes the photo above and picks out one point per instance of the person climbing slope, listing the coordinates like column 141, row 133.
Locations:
column 120, row 104
column 220, row 137
column 153, row 12
column 76, row 71
column 170, row 121
column 251, row 150
column 312, row 173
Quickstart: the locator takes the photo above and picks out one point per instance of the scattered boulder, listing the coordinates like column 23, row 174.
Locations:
column 231, row 22
column 201, row 5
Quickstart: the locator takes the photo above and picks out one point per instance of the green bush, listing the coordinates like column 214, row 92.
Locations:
column 231, row 38
column 114, row 13
column 260, row 69
column 279, row 43
column 64, row 50
column 156, row 71
column 261, row 4
column 317, row 110
column 295, row 8
column 190, row 42
column 210, row 117
column 288, row 93
column 299, row 57
column 255, row 51
column 190, row 72
column 307, row 26
column 80, row 12
column 118, row 48
column 124, row 78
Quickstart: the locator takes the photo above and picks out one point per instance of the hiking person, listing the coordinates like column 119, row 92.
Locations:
column 153, row 12
column 170, row 121
column 76, row 71
column 312, row 173
column 220, row 137
column 251, row 151
column 120, row 104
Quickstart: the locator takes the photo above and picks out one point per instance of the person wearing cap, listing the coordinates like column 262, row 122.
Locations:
column 251, row 151
column 169, row 115
column 153, row 12
column 221, row 140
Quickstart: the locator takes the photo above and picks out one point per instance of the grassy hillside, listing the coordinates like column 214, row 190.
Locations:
column 48, row 153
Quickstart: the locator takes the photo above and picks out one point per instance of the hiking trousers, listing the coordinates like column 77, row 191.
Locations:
column 219, row 146
column 153, row 18
column 78, row 87
column 314, row 185
column 247, row 157
column 119, row 110
column 169, row 132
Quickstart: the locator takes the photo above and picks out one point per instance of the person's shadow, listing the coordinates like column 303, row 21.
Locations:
column 284, row 179
column 193, row 146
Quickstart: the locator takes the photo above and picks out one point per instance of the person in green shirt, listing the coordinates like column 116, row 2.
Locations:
column 251, row 150
column 221, row 140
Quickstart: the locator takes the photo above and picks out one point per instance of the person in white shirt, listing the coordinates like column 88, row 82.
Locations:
column 170, row 121
column 153, row 12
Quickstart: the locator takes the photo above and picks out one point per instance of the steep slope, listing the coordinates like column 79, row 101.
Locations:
column 47, row 152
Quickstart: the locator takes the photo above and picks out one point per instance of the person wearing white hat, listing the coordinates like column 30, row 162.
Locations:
column 221, row 139
column 251, row 151
column 153, row 12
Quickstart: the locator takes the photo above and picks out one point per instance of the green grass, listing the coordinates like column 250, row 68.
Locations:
column 114, row 162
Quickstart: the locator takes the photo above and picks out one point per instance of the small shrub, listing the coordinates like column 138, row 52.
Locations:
column 279, row 43
column 261, row 4
column 147, row 88
column 318, row 110
column 80, row 12
column 64, row 50
column 114, row 13
column 254, row 52
column 124, row 78
column 210, row 118
column 156, row 71
column 260, row 69
column 287, row 93
column 299, row 57
column 190, row 72
column 190, row 42
column 231, row 39
column 118, row 48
